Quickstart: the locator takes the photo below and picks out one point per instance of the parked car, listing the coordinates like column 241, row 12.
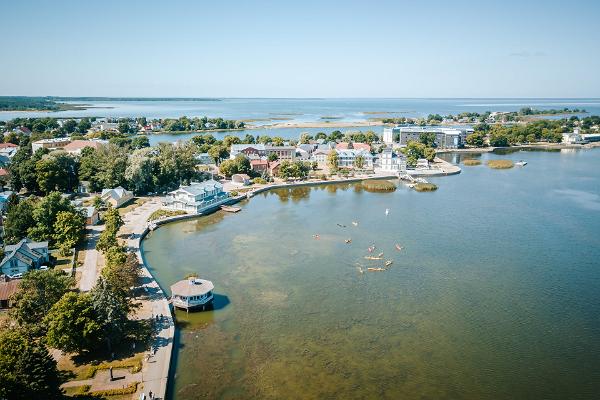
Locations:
column 16, row 276
column 44, row 268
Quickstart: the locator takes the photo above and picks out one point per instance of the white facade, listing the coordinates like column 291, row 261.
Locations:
column 196, row 197
column 50, row 144
column 388, row 135
column 572, row 137
column 259, row 150
column 347, row 158
column 24, row 256
column 445, row 138
column 320, row 156
column 390, row 162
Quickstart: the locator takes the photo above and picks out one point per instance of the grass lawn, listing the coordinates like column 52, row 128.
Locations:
column 86, row 370
column 132, row 205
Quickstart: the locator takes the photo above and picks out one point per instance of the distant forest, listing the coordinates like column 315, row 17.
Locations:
column 52, row 103
column 22, row 103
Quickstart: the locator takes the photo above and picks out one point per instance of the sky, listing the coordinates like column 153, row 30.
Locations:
column 300, row 49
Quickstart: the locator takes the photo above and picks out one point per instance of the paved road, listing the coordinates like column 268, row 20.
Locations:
column 155, row 370
column 90, row 271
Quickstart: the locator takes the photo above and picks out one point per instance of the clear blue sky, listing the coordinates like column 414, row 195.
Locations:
column 301, row 49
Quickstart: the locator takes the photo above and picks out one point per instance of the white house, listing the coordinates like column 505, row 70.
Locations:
column 50, row 144
column 320, row 156
column 347, row 158
column 391, row 162
column 196, row 197
column 116, row 197
column 8, row 151
column 24, row 256
column 573, row 137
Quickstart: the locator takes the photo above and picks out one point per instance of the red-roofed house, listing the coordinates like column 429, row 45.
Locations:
column 7, row 145
column 274, row 168
column 76, row 146
column 259, row 166
column 355, row 146
column 7, row 289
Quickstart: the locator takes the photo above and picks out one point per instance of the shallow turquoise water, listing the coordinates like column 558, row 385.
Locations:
column 496, row 294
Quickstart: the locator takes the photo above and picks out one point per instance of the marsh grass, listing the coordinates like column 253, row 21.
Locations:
column 378, row 186
column 471, row 162
column 425, row 187
column 500, row 164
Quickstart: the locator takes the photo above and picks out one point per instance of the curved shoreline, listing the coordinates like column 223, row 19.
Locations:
column 168, row 369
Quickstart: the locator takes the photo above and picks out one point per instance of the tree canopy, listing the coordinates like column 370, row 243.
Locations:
column 27, row 370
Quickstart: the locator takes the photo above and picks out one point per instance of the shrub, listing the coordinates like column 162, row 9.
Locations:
column 129, row 389
column 425, row 187
column 471, row 162
column 233, row 193
column 134, row 366
column 500, row 164
column 259, row 181
column 83, row 389
column 378, row 186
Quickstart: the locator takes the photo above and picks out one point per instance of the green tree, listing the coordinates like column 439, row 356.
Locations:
column 38, row 291
column 415, row 150
column 229, row 140
column 335, row 136
column 115, row 257
column 359, row 162
column 27, row 370
column 50, row 174
column 428, row 138
column 123, row 126
column 321, row 135
column 73, row 324
column 106, row 241
column 243, row 165
column 332, row 160
column 277, row 141
column 218, row 153
column 475, row 139
column 124, row 275
column 305, row 138
column 68, row 230
column 111, row 306
column 113, row 220
column 84, row 125
column 45, row 214
column 89, row 168
column 272, row 157
column 228, row 168
column 140, row 142
column 19, row 220
column 140, row 171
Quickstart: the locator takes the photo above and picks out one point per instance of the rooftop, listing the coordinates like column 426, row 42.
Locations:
column 7, row 289
column 191, row 287
column 199, row 187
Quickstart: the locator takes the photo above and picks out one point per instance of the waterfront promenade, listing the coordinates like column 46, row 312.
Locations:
column 155, row 369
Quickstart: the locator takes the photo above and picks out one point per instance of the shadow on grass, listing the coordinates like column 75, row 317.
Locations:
column 138, row 337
